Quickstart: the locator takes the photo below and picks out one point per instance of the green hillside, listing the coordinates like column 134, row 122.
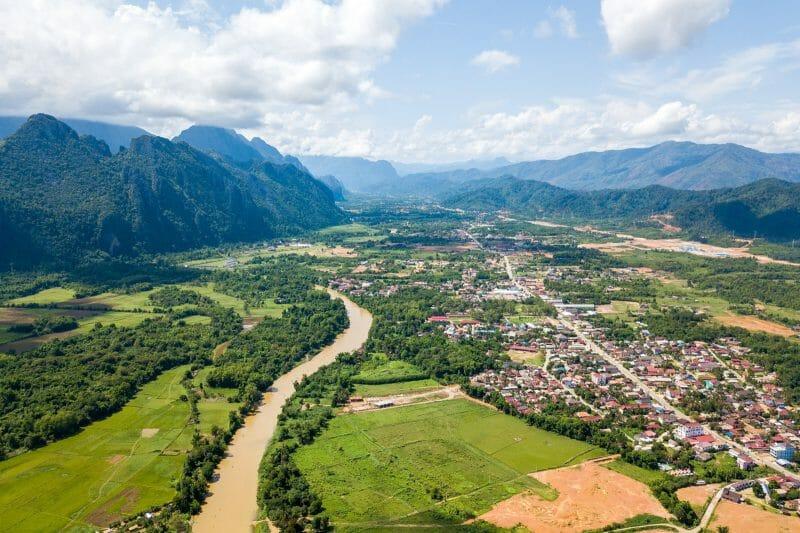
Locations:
column 62, row 195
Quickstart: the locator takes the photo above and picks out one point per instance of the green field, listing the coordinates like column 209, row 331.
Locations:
column 381, row 370
column 238, row 305
column 86, row 321
column 634, row 472
column 114, row 467
column 244, row 256
column 435, row 463
column 213, row 405
column 402, row 387
column 45, row 297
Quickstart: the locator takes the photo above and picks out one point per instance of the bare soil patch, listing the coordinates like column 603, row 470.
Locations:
column 742, row 518
column 115, row 509
column 665, row 221
column 589, row 497
column 752, row 323
column 148, row 433
column 698, row 495
column 114, row 459
column 30, row 343
column 341, row 251
column 398, row 400
column 220, row 349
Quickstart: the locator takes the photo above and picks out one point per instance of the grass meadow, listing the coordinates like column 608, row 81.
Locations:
column 117, row 466
column 436, row 463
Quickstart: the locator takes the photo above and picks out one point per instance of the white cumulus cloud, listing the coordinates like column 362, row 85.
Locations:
column 494, row 60
column 561, row 17
column 645, row 28
column 163, row 67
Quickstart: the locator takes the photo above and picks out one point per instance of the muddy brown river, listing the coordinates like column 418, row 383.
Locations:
column 231, row 505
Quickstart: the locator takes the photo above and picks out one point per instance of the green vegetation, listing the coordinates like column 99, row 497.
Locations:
column 634, row 472
column 380, row 370
column 637, row 522
column 177, row 198
column 45, row 296
column 118, row 466
column 401, row 387
column 52, row 391
column 768, row 207
column 437, row 463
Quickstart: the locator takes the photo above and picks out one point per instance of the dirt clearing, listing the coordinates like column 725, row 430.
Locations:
column 752, row 323
column 698, row 495
column 149, row 433
column 589, row 497
column 742, row 518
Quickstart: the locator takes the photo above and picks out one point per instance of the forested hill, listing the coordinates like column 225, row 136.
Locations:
column 114, row 135
column 769, row 207
column 679, row 165
column 63, row 195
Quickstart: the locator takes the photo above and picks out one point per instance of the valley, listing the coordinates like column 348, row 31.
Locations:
column 386, row 266
column 513, row 350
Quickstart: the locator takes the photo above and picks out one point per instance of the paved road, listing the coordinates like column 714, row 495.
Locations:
column 758, row 458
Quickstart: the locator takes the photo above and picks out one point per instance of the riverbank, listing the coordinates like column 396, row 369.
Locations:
column 231, row 505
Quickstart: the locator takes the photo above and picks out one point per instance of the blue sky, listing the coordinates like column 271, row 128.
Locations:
column 416, row 80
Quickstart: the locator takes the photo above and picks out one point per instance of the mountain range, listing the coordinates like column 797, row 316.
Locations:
column 769, row 208
column 62, row 195
column 356, row 173
column 114, row 135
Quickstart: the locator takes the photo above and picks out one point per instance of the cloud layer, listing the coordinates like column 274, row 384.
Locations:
column 102, row 58
column 647, row 28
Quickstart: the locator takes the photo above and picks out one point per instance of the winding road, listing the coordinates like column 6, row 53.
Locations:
column 231, row 505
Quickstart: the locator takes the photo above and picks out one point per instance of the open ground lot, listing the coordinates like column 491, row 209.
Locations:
column 698, row 495
column 753, row 323
column 114, row 467
column 589, row 497
column 434, row 463
column 243, row 257
column 742, row 518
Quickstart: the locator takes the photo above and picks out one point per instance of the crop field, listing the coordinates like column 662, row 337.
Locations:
column 86, row 321
column 238, row 305
column 634, row 472
column 435, row 463
column 45, row 297
column 117, row 301
column 243, row 257
column 401, row 387
column 213, row 405
column 117, row 466
column 382, row 370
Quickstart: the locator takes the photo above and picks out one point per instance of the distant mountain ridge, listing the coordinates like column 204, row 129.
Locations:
column 405, row 169
column 234, row 146
column 679, row 165
column 114, row 135
column 63, row 195
column 769, row 208
column 356, row 173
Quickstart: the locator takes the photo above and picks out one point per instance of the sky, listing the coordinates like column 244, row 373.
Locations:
column 416, row 80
